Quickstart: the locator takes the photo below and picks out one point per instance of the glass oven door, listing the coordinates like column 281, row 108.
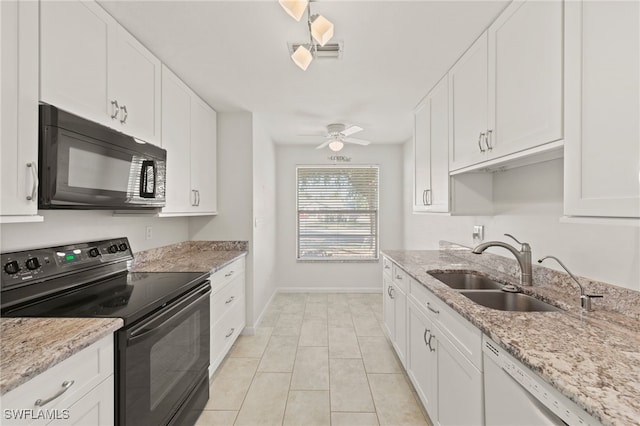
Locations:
column 162, row 360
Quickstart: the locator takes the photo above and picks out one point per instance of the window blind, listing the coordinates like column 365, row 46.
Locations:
column 337, row 213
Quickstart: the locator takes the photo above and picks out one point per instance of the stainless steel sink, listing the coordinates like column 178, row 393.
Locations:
column 466, row 281
column 504, row 301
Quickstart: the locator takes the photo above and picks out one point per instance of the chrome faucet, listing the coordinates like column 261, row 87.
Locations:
column 523, row 256
column 585, row 299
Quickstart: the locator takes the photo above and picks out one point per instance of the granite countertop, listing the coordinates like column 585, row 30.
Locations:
column 189, row 256
column 30, row 346
column 591, row 358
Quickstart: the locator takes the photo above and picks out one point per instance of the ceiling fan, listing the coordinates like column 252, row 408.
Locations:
column 338, row 134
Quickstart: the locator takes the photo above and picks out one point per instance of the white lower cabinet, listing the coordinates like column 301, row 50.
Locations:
column 388, row 308
column 227, row 312
column 395, row 311
column 80, row 391
column 422, row 365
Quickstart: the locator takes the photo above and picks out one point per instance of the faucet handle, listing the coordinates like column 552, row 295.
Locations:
column 525, row 246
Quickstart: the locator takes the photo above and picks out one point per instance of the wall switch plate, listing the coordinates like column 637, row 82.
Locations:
column 148, row 233
column 478, row 233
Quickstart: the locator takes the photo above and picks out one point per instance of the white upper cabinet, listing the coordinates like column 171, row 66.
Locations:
column 19, row 112
column 602, row 147
column 189, row 136
column 506, row 90
column 92, row 67
column 431, row 151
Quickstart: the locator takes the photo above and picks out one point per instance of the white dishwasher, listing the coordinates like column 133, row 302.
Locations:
column 515, row 396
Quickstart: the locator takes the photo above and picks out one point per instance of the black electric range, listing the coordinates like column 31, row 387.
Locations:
column 165, row 314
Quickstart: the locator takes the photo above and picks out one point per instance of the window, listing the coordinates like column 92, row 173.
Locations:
column 337, row 213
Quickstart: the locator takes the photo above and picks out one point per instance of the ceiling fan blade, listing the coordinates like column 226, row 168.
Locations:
column 351, row 130
column 322, row 145
column 356, row 141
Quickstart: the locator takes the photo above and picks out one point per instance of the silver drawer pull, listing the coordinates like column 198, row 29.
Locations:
column 34, row 187
column 229, row 274
column 435, row 311
column 230, row 333
column 65, row 387
column 229, row 300
column 115, row 108
column 398, row 277
column 387, row 267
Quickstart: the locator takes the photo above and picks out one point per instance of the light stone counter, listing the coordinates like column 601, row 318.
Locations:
column 30, row 346
column 592, row 358
column 189, row 256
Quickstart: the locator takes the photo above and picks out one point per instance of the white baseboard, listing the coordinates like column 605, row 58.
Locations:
column 250, row 331
column 329, row 290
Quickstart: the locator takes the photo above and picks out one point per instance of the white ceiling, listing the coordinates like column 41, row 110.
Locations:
column 234, row 54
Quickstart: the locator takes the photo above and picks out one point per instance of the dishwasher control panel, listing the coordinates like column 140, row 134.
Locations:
column 551, row 398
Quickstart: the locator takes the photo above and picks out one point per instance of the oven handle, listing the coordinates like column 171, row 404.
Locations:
column 160, row 322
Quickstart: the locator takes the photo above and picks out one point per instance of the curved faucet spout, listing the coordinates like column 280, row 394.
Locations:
column 523, row 256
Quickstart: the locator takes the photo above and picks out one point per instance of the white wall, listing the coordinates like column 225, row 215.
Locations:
column 264, row 217
column 72, row 226
column 528, row 204
column 338, row 276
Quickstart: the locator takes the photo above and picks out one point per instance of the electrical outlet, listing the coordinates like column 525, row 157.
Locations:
column 478, row 233
column 148, row 233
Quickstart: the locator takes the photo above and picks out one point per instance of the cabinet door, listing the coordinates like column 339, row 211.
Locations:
column 422, row 155
column 602, row 144
column 19, row 111
column 422, row 361
column 134, row 82
column 525, row 77
column 439, row 147
column 73, row 58
column 95, row 408
column 176, row 134
column 388, row 308
column 400, row 323
column 468, row 106
column 203, row 156
column 458, row 380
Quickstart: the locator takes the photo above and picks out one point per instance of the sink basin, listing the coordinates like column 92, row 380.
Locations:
column 466, row 281
column 504, row 301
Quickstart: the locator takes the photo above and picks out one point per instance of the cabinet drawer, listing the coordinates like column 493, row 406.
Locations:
column 387, row 266
column 462, row 334
column 400, row 278
column 86, row 369
column 225, row 332
column 226, row 274
column 227, row 298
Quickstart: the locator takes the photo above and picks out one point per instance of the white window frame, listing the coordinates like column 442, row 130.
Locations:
column 338, row 259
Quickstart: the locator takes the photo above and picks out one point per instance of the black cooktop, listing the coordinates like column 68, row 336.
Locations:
column 129, row 296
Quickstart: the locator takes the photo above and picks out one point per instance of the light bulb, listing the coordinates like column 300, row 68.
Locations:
column 336, row 145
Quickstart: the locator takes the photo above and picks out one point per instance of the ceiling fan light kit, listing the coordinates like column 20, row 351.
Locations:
column 338, row 134
column 336, row 145
column 320, row 30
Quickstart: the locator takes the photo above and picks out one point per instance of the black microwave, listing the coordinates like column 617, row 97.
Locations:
column 85, row 165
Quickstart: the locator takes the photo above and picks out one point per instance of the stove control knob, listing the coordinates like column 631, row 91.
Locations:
column 123, row 247
column 113, row 248
column 12, row 267
column 94, row 252
column 32, row 263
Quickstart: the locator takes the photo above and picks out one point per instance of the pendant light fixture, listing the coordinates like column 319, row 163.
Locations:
column 320, row 30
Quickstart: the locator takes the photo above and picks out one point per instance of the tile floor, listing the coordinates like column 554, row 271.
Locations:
column 317, row 359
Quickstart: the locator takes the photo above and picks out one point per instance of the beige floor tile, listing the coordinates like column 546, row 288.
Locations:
column 266, row 400
column 216, row 418
column 343, row 343
column 395, row 403
column 315, row 311
column 354, row 419
column 366, row 324
column 270, row 319
column 378, row 355
column 279, row 355
column 314, row 333
column 311, row 370
column 287, row 331
column 308, row 408
column 349, row 386
column 290, row 319
column 339, row 316
column 231, row 382
column 317, row 298
column 251, row 346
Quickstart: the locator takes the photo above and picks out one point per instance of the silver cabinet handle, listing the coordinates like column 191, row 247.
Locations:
column 424, row 337
column 198, row 197
column 431, row 348
column 428, row 200
column 424, row 197
column 480, row 142
column 487, row 140
column 398, row 276
column 65, row 387
column 391, row 291
column 123, row 120
column 387, row 267
column 230, row 333
column 115, row 109
column 34, row 188
column 193, row 192
column 229, row 300
column 229, row 274
column 435, row 311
